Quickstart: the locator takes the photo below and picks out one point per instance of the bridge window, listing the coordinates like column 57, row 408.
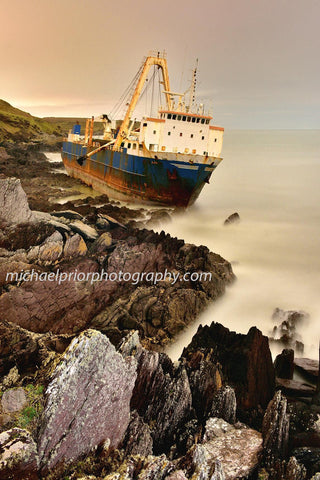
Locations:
column 169, row 133
column 215, row 139
column 188, row 119
column 191, row 135
column 207, row 121
column 169, row 116
column 179, row 117
column 180, row 134
column 202, row 120
column 129, row 145
column 202, row 138
column 184, row 118
column 145, row 124
column 154, row 132
column 174, row 117
column 134, row 146
column 198, row 120
column 193, row 119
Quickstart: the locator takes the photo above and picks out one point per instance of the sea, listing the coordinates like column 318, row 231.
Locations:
column 272, row 179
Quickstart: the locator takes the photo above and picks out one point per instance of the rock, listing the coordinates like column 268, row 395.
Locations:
column 18, row 455
column 11, row 379
column 103, row 224
column 215, row 427
column 89, row 233
column 3, row 154
column 224, row 404
column 88, row 400
column 14, row 202
column 245, row 360
column 309, row 458
column 286, row 332
column 275, row 429
column 69, row 214
column 294, row 470
column 205, row 381
column 307, row 367
column 75, row 246
column 316, row 476
column 283, row 364
column 161, row 394
column 233, row 218
column 111, row 221
column 295, row 388
column 158, row 468
column 103, row 242
column 237, row 451
column 13, row 400
column 137, row 440
column 177, row 475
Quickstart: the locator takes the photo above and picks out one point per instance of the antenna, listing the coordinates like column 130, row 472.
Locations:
column 193, row 86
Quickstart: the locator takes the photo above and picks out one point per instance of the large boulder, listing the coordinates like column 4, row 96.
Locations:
column 88, row 400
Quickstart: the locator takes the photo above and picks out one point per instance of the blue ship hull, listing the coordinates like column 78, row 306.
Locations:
column 135, row 178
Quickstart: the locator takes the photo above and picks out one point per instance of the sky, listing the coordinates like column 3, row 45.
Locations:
column 258, row 59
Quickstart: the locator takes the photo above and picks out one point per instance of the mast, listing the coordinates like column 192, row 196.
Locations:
column 149, row 62
column 193, row 87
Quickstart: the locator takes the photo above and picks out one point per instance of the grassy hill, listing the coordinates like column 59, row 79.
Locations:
column 17, row 125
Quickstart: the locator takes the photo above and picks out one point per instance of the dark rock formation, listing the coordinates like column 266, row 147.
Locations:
column 91, row 378
column 283, row 364
column 233, row 218
column 294, row 388
column 245, row 360
column 307, row 367
column 309, row 458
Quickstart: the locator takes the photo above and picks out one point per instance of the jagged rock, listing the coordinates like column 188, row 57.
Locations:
column 158, row 468
column 112, row 221
column 137, row 439
column 69, row 214
column 295, row 388
column 233, row 218
column 316, row 476
column 102, row 243
column 283, row 364
column 161, row 394
column 88, row 400
column 14, row 203
column 89, row 233
column 294, row 470
column 75, row 246
column 275, row 429
column 201, row 467
column 245, row 359
column 307, row 367
column 224, row 404
column 13, row 400
column 205, row 381
column 187, row 435
column 18, row 455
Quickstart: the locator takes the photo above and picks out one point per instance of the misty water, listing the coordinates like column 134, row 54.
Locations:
column 271, row 178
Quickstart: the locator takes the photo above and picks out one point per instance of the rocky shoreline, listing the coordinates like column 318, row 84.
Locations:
column 86, row 390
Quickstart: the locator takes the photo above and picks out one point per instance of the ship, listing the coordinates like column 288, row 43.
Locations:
column 164, row 159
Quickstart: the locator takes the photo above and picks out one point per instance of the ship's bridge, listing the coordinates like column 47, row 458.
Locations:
column 181, row 132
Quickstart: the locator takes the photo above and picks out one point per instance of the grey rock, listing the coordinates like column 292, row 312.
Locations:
column 14, row 203
column 88, row 400
column 69, row 214
column 18, row 455
column 89, row 233
column 112, row 221
column 13, row 400
column 216, row 427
